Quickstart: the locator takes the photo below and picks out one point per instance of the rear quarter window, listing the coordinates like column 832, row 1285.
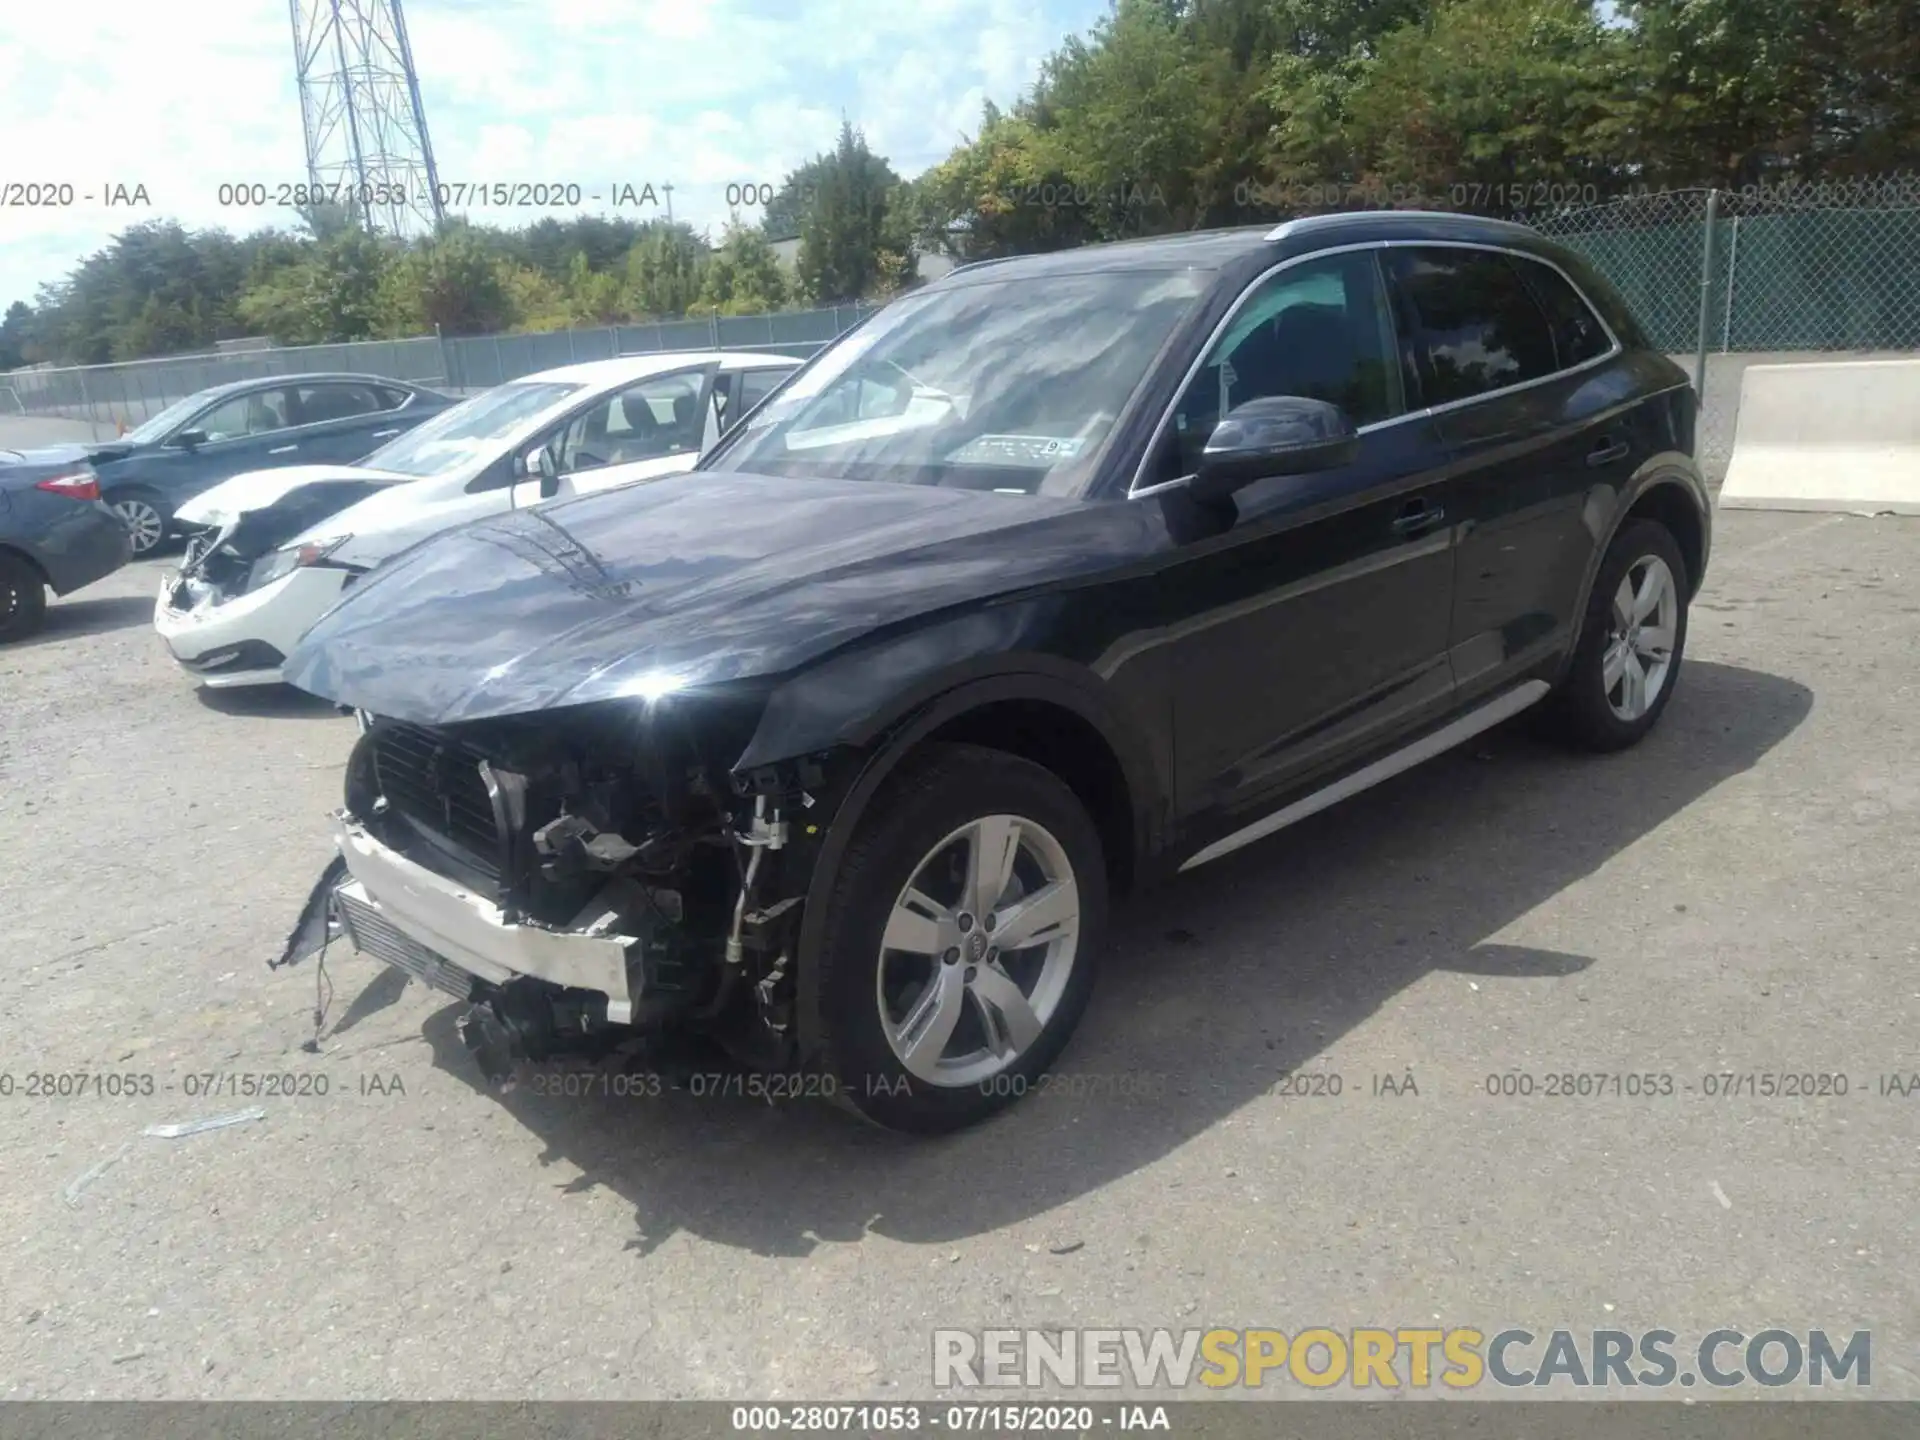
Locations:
column 1608, row 301
column 1578, row 335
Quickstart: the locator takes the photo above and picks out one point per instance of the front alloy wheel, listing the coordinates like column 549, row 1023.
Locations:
column 959, row 939
column 143, row 520
column 978, row 951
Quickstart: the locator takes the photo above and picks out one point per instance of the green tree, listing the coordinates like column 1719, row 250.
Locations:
column 455, row 284
column 1133, row 122
column 845, row 233
column 788, row 210
column 550, row 244
column 664, row 270
column 595, row 297
column 326, row 291
column 743, row 277
column 1738, row 92
column 983, row 200
column 17, row 346
column 1490, row 92
column 535, row 300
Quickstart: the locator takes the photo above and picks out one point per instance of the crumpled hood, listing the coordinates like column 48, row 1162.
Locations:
column 694, row 580
column 257, row 489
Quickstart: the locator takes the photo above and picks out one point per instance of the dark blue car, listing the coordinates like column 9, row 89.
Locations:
column 262, row 424
column 55, row 534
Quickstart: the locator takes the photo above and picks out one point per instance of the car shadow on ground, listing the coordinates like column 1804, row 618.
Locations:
column 87, row 615
column 266, row 700
column 1216, row 984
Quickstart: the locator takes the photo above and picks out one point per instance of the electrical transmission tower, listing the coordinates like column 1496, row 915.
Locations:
column 366, row 130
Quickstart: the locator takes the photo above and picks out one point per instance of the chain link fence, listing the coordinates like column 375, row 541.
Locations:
column 1722, row 279
column 1769, row 274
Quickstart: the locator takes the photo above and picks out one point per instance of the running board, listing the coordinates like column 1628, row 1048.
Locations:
column 1502, row 707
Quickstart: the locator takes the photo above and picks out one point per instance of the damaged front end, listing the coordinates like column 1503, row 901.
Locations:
column 578, row 876
column 224, row 544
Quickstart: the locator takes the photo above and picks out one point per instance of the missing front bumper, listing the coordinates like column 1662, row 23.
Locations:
column 371, row 933
column 404, row 914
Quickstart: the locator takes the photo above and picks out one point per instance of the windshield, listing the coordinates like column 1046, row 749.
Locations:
column 156, row 428
column 472, row 429
column 1007, row 385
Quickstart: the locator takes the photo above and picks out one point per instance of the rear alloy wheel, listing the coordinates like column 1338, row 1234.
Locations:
column 145, row 520
column 1630, row 647
column 1639, row 654
column 960, row 942
column 23, row 599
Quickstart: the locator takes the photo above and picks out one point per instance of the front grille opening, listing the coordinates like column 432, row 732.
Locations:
column 434, row 784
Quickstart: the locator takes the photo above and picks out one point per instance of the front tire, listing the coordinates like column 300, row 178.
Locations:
column 960, row 941
column 146, row 517
column 1631, row 643
column 23, row 599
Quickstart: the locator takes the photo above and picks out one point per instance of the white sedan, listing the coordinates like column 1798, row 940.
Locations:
column 271, row 551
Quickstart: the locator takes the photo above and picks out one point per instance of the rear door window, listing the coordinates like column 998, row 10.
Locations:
column 1476, row 327
column 334, row 401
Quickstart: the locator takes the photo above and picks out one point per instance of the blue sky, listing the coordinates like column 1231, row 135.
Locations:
column 702, row 93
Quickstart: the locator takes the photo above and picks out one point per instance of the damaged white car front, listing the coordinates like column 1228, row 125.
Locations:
column 225, row 615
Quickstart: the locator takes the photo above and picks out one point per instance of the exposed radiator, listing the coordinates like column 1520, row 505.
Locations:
column 373, row 934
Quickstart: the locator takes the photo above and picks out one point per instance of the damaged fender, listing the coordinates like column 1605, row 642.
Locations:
column 883, row 700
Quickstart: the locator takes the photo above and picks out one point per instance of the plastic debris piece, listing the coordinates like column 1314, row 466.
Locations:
column 81, row 1181
column 200, row 1127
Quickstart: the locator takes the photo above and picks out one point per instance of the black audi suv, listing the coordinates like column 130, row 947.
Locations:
column 1057, row 576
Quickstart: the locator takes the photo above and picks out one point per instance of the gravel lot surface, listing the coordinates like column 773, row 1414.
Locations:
column 1738, row 895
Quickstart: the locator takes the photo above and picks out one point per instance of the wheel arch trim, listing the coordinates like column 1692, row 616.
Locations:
column 13, row 550
column 1670, row 471
column 897, row 732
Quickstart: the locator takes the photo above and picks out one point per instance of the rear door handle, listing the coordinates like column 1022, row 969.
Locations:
column 1608, row 452
column 1417, row 518
column 386, row 434
column 284, row 449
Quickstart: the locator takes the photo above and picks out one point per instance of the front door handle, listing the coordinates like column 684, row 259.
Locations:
column 1608, row 452
column 1418, row 518
column 284, row 449
column 386, row 434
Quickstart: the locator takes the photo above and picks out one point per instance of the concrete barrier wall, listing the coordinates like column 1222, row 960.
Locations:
column 1843, row 435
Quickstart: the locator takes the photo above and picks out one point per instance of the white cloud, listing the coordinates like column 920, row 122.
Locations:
column 702, row 94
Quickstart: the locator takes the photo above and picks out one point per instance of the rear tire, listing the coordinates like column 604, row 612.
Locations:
column 930, row 1021
column 23, row 598
column 1631, row 644
column 146, row 517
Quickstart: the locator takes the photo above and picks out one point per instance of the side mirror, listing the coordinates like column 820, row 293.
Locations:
column 1275, row 435
column 188, row 439
column 549, row 474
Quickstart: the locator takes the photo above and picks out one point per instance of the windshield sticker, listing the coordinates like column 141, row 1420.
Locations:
column 1039, row 451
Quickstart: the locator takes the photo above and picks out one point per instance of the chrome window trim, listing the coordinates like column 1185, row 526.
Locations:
column 1135, row 490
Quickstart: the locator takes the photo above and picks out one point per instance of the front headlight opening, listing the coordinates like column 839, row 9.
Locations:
column 281, row 563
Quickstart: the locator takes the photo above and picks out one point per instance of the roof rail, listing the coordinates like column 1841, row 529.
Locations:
column 1305, row 223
